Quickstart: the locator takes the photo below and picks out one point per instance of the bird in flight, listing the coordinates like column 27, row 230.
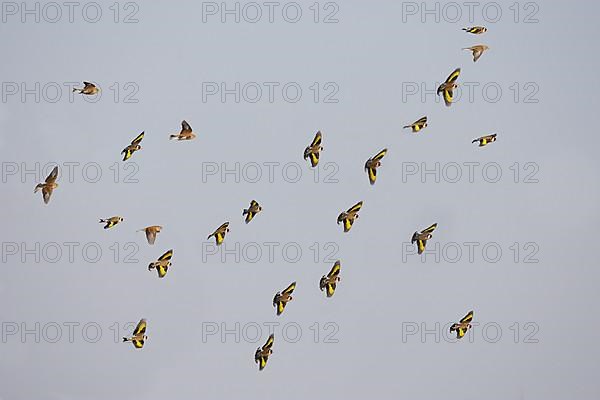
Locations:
column 251, row 211
column 348, row 217
column 372, row 164
column 186, row 132
column 485, row 140
column 48, row 186
column 262, row 353
column 476, row 30
column 313, row 151
column 463, row 326
column 282, row 298
column 133, row 147
column 220, row 233
column 422, row 237
column 477, row 50
column 417, row 125
column 447, row 88
column 330, row 280
column 139, row 335
column 162, row 264
column 151, row 232
column 110, row 222
column 88, row 88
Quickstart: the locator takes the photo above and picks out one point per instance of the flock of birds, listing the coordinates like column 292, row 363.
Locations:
column 327, row 282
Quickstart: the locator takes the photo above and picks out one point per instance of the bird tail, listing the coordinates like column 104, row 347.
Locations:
column 245, row 211
column 125, row 339
column 173, row 137
column 465, row 29
column 406, row 126
column 475, row 141
column 77, row 90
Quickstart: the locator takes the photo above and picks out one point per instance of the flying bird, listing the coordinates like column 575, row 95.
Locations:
column 186, row 132
column 422, row 237
column 485, row 140
column 251, row 211
column 417, row 125
column 151, row 232
column 463, row 326
column 477, row 50
column 372, row 164
column 282, row 298
column 139, row 335
column 162, row 264
column 133, row 147
column 447, row 88
column 48, row 186
column 110, row 222
column 313, row 151
column 220, row 233
column 330, row 280
column 348, row 217
column 477, row 30
column 262, row 353
column 88, row 88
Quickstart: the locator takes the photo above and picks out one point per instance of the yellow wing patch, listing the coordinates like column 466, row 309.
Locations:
column 166, row 256
column 314, row 159
column 372, row 175
column 290, row 289
column 468, row 318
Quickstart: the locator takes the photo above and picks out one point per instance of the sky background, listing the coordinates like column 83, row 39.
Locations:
column 371, row 55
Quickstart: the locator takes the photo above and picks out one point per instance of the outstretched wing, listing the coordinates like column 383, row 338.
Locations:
column 290, row 289
column 166, row 256
column 249, row 216
column 331, row 289
column 335, row 271
column 185, row 127
column 162, row 270
column 314, row 158
column 140, row 328
column 317, row 140
column 430, row 229
column 421, row 245
column 127, row 153
column 372, row 175
column 453, row 76
column 355, row 208
column 380, row 155
column 467, row 318
column 448, row 97
column 138, row 139
column 280, row 307
column 53, row 175
column 269, row 342
column 348, row 224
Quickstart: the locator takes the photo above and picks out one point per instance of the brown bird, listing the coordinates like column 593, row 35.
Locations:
column 372, row 164
column 282, row 298
column 151, row 232
column 476, row 30
column 484, row 140
column 262, row 354
column 477, row 50
column 417, row 125
column 447, row 88
column 251, row 211
column 314, row 150
column 88, row 88
column 110, row 222
column 220, row 233
column 133, row 147
column 49, row 185
column 186, row 132
column 348, row 217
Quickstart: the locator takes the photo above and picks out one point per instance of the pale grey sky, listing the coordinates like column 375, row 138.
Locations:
column 355, row 344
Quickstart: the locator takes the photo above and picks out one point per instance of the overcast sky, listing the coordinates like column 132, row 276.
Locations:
column 515, row 218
